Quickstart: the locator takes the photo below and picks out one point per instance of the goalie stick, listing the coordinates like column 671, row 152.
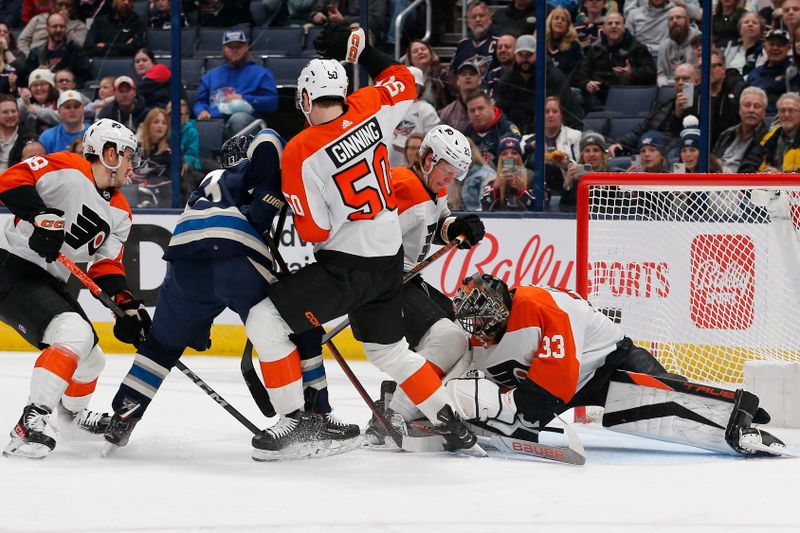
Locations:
column 106, row 300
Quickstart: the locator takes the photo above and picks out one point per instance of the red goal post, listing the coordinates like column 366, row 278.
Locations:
column 701, row 269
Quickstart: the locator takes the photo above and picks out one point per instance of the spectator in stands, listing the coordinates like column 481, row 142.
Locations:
column 748, row 52
column 9, row 52
column 692, row 7
column 344, row 12
column 153, row 82
column 39, row 101
column 103, row 97
column 455, row 114
column 512, row 189
column 791, row 15
column 726, row 86
column 31, row 8
column 648, row 23
column 8, row 62
column 31, row 149
column 240, row 90
column 479, row 175
column 127, row 108
column 119, row 34
column 91, row 9
column 562, row 43
column 65, row 80
column 665, row 117
column 154, row 171
column 676, row 48
column 76, row 146
column 11, row 12
column 592, row 158
column 616, row 59
column 12, row 137
column 517, row 18
column 772, row 76
column 589, row 21
column 779, row 149
column 190, row 138
column 421, row 55
column 515, row 92
column 59, row 53
column 737, row 142
column 420, row 117
column 480, row 44
column 413, row 142
column 36, row 31
column 557, row 136
column 652, row 151
column 506, row 48
column 161, row 16
column 70, row 109
column 725, row 22
column 487, row 125
column 220, row 13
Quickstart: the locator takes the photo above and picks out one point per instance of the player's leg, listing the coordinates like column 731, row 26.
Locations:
column 46, row 317
column 75, row 401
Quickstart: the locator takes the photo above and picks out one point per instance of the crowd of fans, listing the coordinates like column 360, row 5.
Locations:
column 487, row 90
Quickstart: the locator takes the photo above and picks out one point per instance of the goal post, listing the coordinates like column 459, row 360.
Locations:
column 701, row 269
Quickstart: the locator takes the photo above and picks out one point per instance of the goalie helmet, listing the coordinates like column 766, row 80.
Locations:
column 320, row 78
column 106, row 131
column 235, row 149
column 483, row 305
column 445, row 142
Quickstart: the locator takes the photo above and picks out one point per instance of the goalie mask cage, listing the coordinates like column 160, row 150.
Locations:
column 703, row 270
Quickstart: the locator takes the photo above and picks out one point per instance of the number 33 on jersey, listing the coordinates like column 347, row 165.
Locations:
column 336, row 175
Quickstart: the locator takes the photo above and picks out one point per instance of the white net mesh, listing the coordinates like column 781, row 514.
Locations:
column 704, row 277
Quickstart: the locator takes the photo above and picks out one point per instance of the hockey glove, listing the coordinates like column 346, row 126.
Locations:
column 48, row 233
column 471, row 226
column 340, row 43
column 132, row 328
column 476, row 398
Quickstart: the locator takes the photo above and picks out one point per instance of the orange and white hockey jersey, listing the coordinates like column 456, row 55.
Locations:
column 97, row 223
column 553, row 337
column 420, row 214
column 336, row 175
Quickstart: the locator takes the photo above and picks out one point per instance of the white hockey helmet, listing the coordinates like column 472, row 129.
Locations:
column 449, row 144
column 106, row 131
column 320, row 78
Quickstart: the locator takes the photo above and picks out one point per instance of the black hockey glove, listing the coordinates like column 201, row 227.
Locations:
column 340, row 43
column 471, row 226
column 132, row 328
column 48, row 233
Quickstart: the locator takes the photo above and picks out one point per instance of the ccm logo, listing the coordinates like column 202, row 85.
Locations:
column 311, row 318
column 352, row 52
column 52, row 224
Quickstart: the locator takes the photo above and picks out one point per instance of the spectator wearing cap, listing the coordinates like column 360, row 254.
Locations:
column 515, row 91
column 676, row 48
column 592, row 158
column 455, row 113
column 127, row 108
column 737, row 142
column 481, row 42
column 487, row 125
column 240, row 91
column 652, row 151
column 512, row 189
column 70, row 109
column 420, row 118
column 36, row 32
column 12, row 137
column 39, row 102
column 506, row 48
column 119, row 33
column 779, row 149
column 771, row 76
column 58, row 53
column 615, row 59
column 517, row 18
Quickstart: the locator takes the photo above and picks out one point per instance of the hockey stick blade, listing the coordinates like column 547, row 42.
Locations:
column 254, row 385
column 559, row 454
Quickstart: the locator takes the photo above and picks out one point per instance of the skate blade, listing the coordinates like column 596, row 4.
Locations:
column 387, row 446
column 775, row 451
column 475, row 451
column 26, row 450
column 108, row 450
column 307, row 450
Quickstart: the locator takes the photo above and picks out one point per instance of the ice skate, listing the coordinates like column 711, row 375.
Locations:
column 299, row 435
column 121, row 425
column 87, row 420
column 758, row 442
column 375, row 436
column 33, row 437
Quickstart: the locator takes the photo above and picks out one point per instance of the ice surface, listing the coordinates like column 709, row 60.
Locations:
column 188, row 468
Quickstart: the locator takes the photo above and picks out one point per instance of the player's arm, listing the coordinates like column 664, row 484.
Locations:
column 263, row 176
column 305, row 194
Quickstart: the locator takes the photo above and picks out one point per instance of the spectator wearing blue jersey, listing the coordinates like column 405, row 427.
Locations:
column 239, row 91
column 70, row 109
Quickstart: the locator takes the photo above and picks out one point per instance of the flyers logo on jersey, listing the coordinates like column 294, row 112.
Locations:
column 89, row 229
column 722, row 281
column 355, row 143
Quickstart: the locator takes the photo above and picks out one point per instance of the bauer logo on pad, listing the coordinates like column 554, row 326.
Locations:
column 722, row 288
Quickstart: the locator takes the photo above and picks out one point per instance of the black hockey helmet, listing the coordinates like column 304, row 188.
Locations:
column 235, row 149
column 483, row 305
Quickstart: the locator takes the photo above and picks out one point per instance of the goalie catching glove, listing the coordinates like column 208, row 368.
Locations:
column 340, row 43
column 471, row 226
column 48, row 233
column 133, row 326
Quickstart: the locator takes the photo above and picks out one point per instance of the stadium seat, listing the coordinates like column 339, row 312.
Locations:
column 191, row 71
column 160, row 41
column 277, row 41
column 595, row 124
column 191, row 96
column 112, row 66
column 142, row 9
column 214, row 62
column 286, row 69
column 209, row 40
column 619, row 163
column 308, row 42
column 631, row 100
column 620, row 126
column 665, row 93
column 210, row 132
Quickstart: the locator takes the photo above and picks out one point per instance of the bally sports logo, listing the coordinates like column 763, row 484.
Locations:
column 722, row 281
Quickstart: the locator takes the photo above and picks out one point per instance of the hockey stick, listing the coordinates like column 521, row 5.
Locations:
column 573, row 453
column 251, row 379
column 106, row 300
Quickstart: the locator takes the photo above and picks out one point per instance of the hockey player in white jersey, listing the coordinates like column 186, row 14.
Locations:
column 67, row 203
column 338, row 183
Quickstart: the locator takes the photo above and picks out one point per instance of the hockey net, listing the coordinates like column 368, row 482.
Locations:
column 702, row 270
